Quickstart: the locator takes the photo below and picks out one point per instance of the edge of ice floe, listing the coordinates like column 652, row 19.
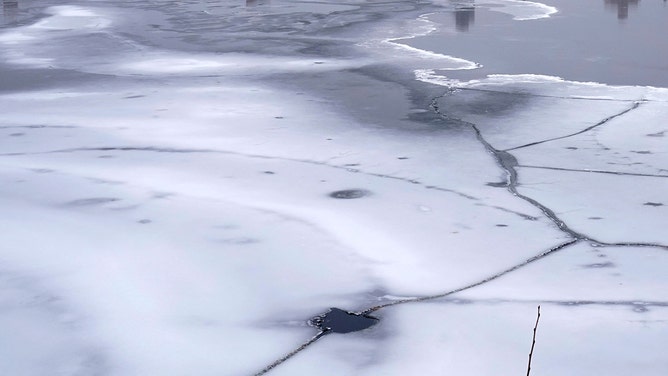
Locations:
column 430, row 76
column 458, row 63
column 542, row 10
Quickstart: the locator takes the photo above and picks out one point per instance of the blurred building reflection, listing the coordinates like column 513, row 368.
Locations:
column 622, row 7
column 464, row 14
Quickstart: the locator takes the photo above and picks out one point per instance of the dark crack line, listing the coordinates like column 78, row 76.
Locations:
column 508, row 163
column 266, row 157
column 630, row 244
column 524, row 216
column 476, row 284
column 292, row 353
column 594, row 171
column 525, row 94
column 506, row 160
column 576, row 302
column 636, row 104
column 421, row 299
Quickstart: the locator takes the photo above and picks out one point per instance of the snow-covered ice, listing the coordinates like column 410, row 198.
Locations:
column 168, row 189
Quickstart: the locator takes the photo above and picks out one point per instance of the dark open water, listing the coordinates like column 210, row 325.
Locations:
column 621, row 42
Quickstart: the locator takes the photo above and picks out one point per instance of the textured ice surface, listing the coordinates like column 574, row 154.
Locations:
column 213, row 176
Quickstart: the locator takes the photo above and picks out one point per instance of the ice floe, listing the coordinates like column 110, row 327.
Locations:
column 183, row 213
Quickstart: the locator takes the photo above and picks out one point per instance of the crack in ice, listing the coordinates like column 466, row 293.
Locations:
column 593, row 171
column 347, row 168
column 635, row 105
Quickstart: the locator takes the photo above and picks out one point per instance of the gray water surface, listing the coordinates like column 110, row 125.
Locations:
column 620, row 42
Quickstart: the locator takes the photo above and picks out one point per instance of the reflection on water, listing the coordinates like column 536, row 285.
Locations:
column 464, row 15
column 10, row 9
column 622, row 7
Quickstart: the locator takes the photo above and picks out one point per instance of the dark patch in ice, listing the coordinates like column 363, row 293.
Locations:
column 239, row 241
column 488, row 103
column 160, row 195
column 41, row 170
column 339, row 321
column 350, row 193
column 655, row 204
column 36, row 126
column 226, row 227
column 599, row 265
column 127, row 207
column 92, row 201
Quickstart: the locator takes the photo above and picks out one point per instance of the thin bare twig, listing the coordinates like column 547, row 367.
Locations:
column 533, row 343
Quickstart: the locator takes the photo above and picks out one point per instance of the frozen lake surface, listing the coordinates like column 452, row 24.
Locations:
column 333, row 188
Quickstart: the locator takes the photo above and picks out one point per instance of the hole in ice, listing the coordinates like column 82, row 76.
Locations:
column 339, row 321
column 350, row 193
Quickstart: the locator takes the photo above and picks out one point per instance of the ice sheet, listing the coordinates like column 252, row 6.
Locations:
column 189, row 207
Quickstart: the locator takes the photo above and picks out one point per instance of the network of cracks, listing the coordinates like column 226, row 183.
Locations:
column 338, row 320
